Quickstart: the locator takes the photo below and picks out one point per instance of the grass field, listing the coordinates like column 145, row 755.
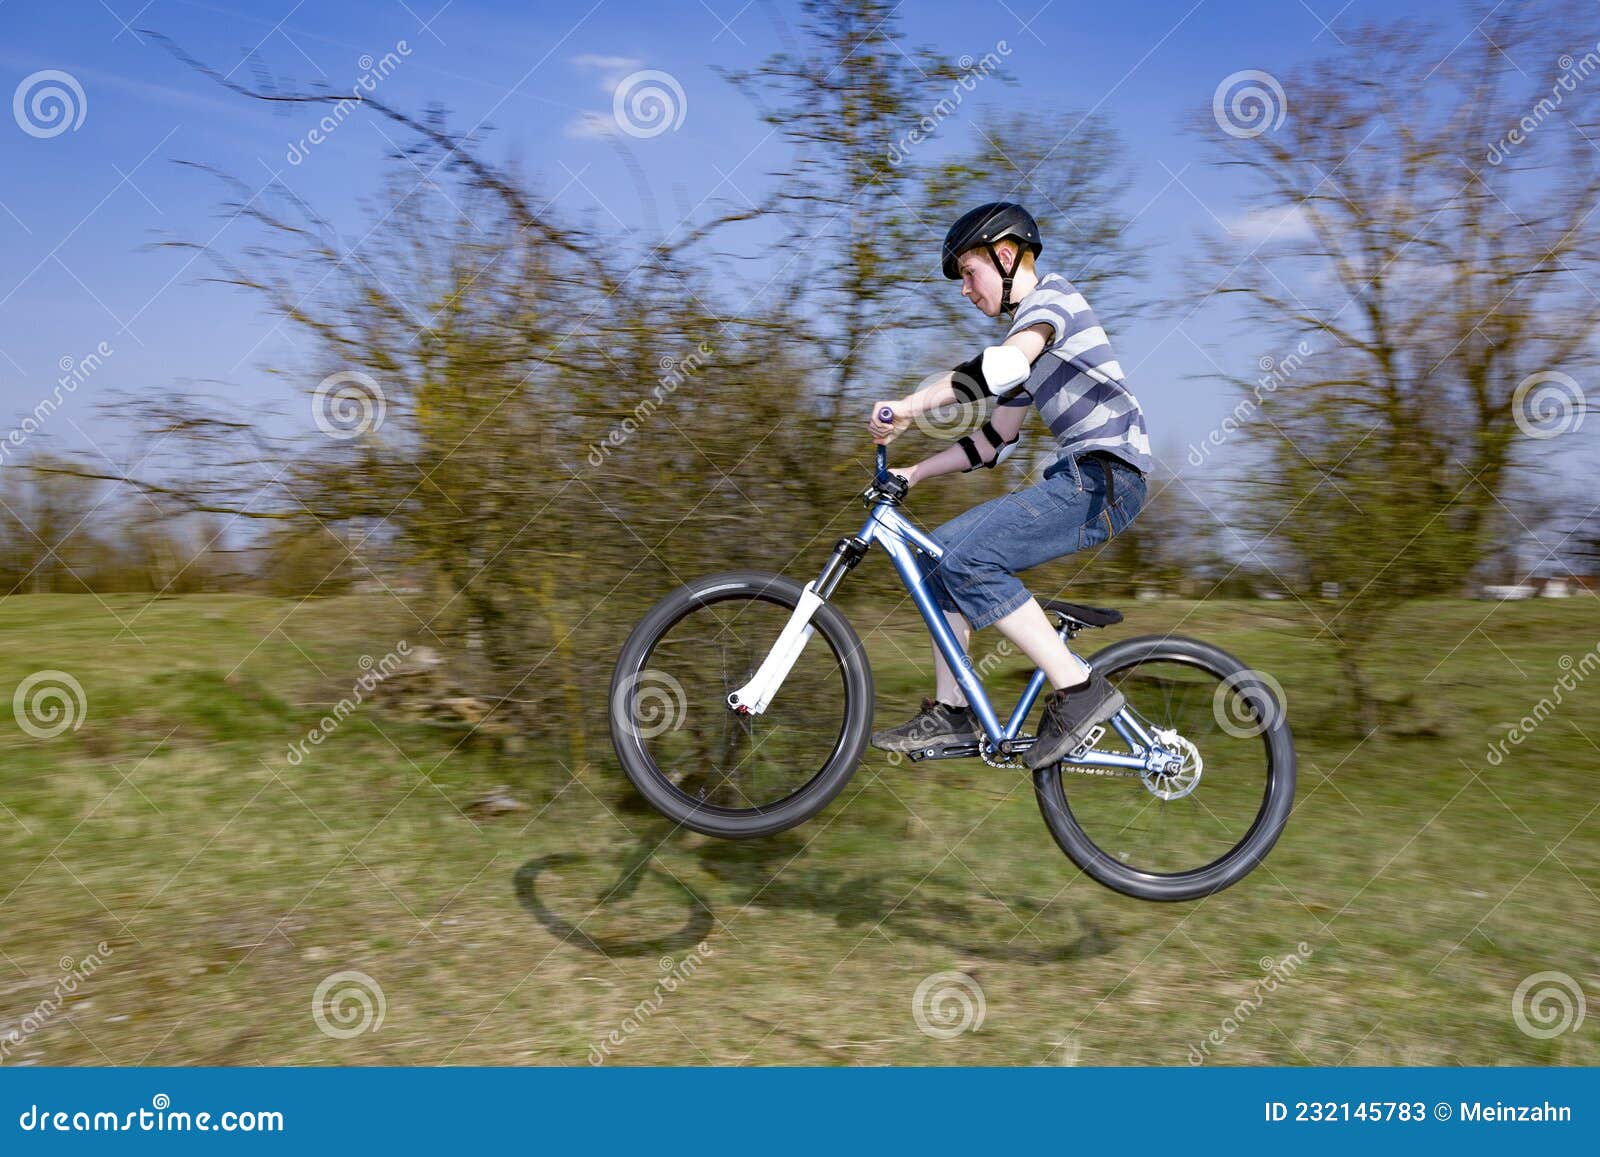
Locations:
column 217, row 884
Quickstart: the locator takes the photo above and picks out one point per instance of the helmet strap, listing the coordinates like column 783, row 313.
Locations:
column 1006, row 304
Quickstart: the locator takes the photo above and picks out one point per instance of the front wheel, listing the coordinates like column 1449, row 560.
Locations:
column 1188, row 834
column 694, row 758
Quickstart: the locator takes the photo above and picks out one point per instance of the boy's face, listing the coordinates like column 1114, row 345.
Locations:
column 980, row 280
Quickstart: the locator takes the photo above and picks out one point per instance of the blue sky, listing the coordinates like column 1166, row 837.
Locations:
column 79, row 211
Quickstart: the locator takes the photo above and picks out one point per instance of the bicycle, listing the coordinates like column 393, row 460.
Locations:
column 700, row 727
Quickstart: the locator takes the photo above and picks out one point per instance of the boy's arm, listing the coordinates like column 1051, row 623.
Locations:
column 1007, row 420
column 941, row 390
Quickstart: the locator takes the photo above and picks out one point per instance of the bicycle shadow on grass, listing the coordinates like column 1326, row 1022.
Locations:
column 959, row 914
column 624, row 906
column 636, row 904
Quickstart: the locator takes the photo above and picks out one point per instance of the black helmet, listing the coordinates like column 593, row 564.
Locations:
column 984, row 226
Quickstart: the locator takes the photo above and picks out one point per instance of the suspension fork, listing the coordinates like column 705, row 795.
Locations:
column 755, row 696
column 846, row 553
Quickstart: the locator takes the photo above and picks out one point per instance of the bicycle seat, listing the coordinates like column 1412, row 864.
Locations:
column 1082, row 615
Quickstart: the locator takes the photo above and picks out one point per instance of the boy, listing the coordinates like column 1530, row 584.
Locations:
column 1090, row 492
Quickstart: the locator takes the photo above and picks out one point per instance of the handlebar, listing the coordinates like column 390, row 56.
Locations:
column 891, row 486
column 886, row 416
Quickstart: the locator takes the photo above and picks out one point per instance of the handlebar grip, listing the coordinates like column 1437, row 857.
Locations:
column 886, row 413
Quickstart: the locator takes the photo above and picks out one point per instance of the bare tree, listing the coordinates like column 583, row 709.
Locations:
column 847, row 98
column 1437, row 259
column 541, row 429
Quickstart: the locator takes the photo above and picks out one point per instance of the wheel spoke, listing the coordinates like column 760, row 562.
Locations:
column 715, row 756
column 1125, row 817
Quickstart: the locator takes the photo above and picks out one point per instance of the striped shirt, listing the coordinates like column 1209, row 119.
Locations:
column 1082, row 413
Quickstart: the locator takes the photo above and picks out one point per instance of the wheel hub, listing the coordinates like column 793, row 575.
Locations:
column 1174, row 770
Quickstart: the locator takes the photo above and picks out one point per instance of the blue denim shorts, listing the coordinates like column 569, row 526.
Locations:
column 986, row 547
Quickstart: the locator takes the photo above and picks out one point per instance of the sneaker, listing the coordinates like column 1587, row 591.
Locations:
column 1069, row 715
column 936, row 724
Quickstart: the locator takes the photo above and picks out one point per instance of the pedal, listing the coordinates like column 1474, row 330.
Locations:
column 1089, row 741
column 946, row 751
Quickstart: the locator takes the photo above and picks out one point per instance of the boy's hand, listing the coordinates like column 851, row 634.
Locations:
column 885, row 432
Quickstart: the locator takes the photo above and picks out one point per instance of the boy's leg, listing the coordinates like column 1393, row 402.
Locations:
column 1020, row 531
column 946, row 689
column 1031, row 631
column 947, row 717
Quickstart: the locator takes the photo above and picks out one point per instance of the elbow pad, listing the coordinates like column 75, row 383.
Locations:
column 975, row 458
column 997, row 368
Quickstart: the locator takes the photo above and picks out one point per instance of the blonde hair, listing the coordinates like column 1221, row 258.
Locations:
column 1017, row 245
column 1026, row 252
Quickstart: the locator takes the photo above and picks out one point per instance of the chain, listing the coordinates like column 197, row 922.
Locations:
column 1010, row 760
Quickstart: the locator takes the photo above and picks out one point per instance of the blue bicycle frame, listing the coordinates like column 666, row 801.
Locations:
column 902, row 540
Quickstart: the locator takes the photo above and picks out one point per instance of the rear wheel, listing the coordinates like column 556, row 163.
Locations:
column 1187, row 834
column 694, row 758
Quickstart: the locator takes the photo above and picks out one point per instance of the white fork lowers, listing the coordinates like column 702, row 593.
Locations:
column 754, row 696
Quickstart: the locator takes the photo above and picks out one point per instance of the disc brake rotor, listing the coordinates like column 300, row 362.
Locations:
column 1180, row 775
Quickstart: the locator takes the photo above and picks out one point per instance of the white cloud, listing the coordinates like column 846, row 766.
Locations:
column 589, row 126
column 1286, row 223
column 612, row 69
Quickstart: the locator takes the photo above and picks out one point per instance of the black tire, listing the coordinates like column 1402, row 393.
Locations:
column 843, row 664
column 1117, row 662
